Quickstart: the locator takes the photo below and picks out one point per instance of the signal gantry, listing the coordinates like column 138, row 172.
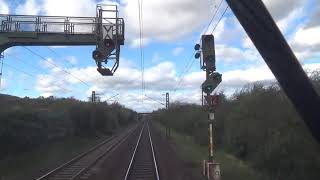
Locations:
column 105, row 31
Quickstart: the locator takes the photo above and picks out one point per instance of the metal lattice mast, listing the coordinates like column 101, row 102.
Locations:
column 167, row 100
column 168, row 129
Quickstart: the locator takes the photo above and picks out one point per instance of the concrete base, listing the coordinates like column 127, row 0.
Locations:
column 211, row 170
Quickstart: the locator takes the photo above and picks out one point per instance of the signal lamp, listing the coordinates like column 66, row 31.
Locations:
column 197, row 55
column 197, row 47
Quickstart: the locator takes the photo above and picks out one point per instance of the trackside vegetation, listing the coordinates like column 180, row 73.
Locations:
column 28, row 123
column 258, row 125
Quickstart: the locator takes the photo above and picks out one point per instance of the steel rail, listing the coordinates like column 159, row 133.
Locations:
column 80, row 157
column 140, row 166
column 114, row 146
column 153, row 154
column 133, row 155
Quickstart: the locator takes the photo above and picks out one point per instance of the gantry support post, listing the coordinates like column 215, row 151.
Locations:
column 271, row 44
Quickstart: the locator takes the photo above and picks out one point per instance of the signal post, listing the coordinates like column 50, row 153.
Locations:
column 211, row 169
column 168, row 129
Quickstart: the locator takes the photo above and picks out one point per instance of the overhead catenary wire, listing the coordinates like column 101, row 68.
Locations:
column 154, row 100
column 31, row 75
column 65, row 60
column 15, row 57
column 224, row 12
column 192, row 59
column 57, row 66
column 18, row 70
column 141, row 41
column 187, row 69
column 112, row 97
column 214, row 15
column 58, row 55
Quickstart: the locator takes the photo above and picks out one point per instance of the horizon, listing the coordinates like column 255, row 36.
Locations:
column 168, row 45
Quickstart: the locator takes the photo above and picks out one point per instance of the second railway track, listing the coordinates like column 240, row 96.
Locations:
column 143, row 164
column 82, row 163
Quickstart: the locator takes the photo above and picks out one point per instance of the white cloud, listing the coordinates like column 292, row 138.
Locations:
column 126, row 82
column 302, row 37
column 310, row 36
column 30, row 7
column 163, row 19
column 135, row 43
column 177, row 51
column 306, row 43
column 72, row 60
column 47, row 86
column 290, row 22
column 159, row 79
column 192, row 80
column 314, row 19
column 69, row 7
column 232, row 54
column 4, row 84
column 166, row 20
column 160, row 76
column 281, row 9
column 49, row 64
column 236, row 79
column 4, row 9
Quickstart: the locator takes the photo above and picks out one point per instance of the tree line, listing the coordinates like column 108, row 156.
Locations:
column 259, row 125
column 26, row 123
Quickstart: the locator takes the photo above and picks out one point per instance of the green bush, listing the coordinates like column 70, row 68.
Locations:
column 27, row 123
column 257, row 124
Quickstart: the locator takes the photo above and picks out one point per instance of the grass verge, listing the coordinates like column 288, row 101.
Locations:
column 231, row 167
column 29, row 165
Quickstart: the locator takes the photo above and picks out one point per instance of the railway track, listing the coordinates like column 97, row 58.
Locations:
column 143, row 165
column 76, row 167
